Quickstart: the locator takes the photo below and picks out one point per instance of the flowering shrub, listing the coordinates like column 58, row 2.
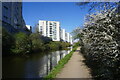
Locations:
column 101, row 43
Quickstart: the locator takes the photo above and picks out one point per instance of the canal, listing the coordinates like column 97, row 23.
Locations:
column 31, row 66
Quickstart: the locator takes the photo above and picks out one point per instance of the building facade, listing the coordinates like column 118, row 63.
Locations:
column 62, row 34
column 50, row 29
column 12, row 18
column 68, row 37
column 71, row 40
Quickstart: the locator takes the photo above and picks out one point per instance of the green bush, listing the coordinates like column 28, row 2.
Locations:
column 37, row 42
column 54, row 45
column 57, row 45
column 22, row 43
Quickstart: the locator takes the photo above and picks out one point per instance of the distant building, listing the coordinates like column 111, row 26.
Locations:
column 62, row 34
column 71, row 40
column 68, row 37
column 50, row 29
column 12, row 18
column 29, row 28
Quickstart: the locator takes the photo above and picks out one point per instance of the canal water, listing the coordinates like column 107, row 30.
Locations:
column 31, row 66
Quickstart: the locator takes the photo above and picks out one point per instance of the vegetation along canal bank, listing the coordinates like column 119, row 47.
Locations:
column 21, row 43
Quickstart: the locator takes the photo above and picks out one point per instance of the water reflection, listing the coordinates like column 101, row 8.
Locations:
column 33, row 66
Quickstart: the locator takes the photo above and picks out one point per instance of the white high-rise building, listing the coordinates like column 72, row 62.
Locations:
column 68, row 37
column 62, row 34
column 71, row 40
column 50, row 29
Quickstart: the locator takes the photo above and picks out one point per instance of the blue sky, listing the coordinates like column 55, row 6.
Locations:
column 68, row 14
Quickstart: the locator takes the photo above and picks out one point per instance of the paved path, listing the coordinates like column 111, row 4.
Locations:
column 75, row 68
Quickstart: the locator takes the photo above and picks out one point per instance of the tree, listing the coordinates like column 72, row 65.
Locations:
column 37, row 42
column 22, row 43
column 100, row 43
column 76, row 33
column 98, row 6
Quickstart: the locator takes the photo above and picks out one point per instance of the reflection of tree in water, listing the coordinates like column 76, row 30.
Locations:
column 58, row 57
column 50, row 62
column 61, row 55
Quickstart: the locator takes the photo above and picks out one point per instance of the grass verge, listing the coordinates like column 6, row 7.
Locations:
column 60, row 65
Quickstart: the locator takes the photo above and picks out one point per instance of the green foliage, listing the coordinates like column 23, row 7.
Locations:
column 54, row 45
column 65, row 44
column 7, row 41
column 60, row 65
column 22, row 43
column 58, row 45
column 76, row 33
column 37, row 42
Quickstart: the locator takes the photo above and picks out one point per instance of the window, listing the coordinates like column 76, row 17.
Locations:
column 50, row 32
column 50, row 23
column 50, row 28
column 51, row 36
column 6, row 7
column 5, row 17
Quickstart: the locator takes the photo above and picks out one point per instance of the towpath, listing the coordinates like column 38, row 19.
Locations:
column 75, row 68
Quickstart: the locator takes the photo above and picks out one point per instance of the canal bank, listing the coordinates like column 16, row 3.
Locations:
column 60, row 65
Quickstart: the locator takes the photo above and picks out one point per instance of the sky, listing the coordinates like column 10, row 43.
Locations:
column 68, row 14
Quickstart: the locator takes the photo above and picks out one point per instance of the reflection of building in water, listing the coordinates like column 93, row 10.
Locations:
column 51, row 60
column 68, row 51
column 48, row 64
column 42, row 68
column 71, row 48
column 63, row 53
column 54, row 58
column 58, row 57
